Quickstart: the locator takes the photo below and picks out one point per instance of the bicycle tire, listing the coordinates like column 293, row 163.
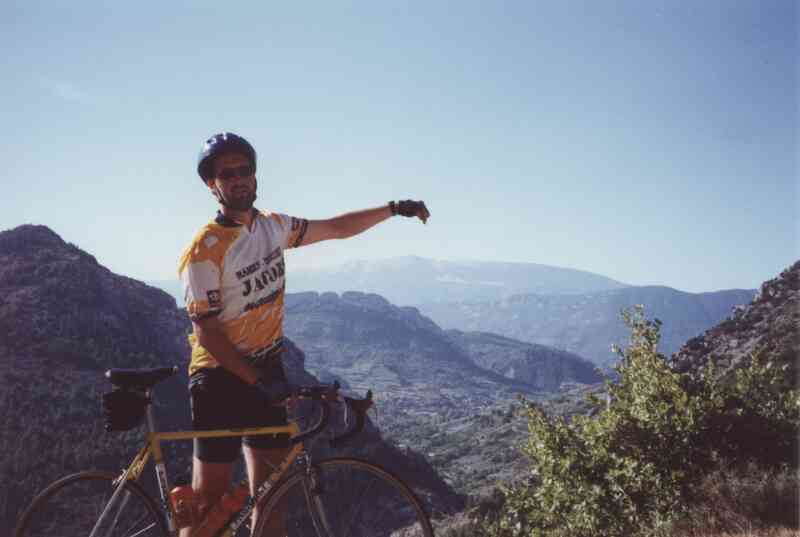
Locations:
column 357, row 498
column 72, row 505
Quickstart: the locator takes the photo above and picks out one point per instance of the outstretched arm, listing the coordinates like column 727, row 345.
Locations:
column 350, row 224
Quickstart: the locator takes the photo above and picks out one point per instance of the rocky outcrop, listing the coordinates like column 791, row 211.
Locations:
column 59, row 302
column 769, row 324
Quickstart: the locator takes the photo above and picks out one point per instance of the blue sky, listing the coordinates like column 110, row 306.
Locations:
column 651, row 142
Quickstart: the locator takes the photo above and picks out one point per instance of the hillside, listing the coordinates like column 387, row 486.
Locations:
column 58, row 302
column 588, row 324
column 411, row 363
column 544, row 368
column 770, row 323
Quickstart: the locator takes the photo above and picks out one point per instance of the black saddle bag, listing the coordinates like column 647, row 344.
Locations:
column 124, row 409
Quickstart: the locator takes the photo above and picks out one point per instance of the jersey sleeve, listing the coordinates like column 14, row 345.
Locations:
column 201, row 277
column 294, row 230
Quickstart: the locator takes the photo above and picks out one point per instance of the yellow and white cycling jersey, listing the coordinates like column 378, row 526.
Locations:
column 239, row 274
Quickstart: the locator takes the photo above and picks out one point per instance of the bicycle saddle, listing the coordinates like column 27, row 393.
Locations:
column 139, row 379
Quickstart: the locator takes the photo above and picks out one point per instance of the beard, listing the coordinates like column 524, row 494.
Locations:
column 241, row 202
column 238, row 201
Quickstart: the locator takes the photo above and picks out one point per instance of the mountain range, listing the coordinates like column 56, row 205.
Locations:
column 589, row 324
column 568, row 309
column 412, row 280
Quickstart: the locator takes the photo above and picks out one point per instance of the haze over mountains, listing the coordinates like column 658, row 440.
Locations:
column 412, row 280
column 572, row 310
column 568, row 309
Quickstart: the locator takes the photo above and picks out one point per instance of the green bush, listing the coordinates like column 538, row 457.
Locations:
column 637, row 466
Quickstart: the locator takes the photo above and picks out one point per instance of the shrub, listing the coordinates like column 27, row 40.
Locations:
column 639, row 464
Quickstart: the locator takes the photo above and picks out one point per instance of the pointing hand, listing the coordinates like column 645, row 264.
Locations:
column 411, row 209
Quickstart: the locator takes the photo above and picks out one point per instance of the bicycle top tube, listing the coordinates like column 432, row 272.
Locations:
column 146, row 379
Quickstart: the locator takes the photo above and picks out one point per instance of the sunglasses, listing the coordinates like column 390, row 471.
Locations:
column 225, row 174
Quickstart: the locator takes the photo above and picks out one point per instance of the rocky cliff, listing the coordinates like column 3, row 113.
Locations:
column 769, row 324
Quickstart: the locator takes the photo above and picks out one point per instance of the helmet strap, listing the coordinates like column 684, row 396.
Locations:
column 220, row 197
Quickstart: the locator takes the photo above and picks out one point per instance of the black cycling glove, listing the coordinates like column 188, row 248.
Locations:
column 410, row 208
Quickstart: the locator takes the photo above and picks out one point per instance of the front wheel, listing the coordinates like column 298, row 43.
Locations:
column 71, row 507
column 343, row 498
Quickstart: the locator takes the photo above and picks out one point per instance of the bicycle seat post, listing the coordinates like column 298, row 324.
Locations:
column 150, row 413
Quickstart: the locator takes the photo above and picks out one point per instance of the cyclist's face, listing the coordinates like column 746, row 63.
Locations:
column 238, row 189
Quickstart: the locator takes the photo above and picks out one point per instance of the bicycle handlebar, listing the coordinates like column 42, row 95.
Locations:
column 327, row 395
column 360, row 407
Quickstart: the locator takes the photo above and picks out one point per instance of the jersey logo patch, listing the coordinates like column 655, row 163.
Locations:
column 214, row 298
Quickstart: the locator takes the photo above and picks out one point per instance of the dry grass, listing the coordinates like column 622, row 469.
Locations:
column 774, row 532
column 745, row 502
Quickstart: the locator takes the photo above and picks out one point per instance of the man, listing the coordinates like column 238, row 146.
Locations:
column 234, row 277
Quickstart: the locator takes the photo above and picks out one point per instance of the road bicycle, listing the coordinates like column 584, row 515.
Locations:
column 335, row 497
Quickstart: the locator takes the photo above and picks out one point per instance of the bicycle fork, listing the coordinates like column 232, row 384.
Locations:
column 312, row 487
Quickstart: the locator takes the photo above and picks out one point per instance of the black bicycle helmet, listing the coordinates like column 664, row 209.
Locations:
column 219, row 144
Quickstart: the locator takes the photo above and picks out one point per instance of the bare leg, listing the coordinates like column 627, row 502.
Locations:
column 260, row 464
column 211, row 479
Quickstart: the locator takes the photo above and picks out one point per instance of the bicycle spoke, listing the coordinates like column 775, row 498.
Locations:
column 123, row 502
column 136, row 523
column 147, row 528
column 351, row 498
column 72, row 507
column 356, row 509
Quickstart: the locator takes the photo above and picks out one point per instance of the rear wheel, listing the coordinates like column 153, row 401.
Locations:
column 72, row 506
column 343, row 498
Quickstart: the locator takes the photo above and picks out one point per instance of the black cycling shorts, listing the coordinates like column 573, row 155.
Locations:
column 221, row 400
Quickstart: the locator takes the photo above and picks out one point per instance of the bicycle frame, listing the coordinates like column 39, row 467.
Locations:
column 153, row 447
